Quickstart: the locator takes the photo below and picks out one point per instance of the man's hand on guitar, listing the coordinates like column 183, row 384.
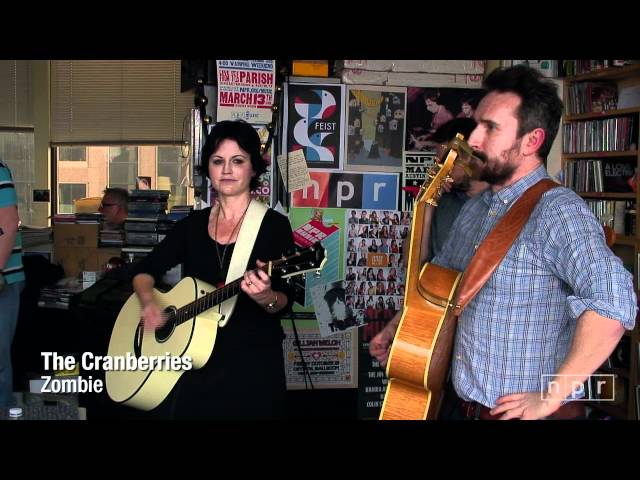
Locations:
column 257, row 285
column 380, row 344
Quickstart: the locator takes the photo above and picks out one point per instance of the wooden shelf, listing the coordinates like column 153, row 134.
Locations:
column 621, row 372
column 612, row 73
column 623, row 153
column 618, row 411
column 618, row 195
column 597, row 115
column 625, row 240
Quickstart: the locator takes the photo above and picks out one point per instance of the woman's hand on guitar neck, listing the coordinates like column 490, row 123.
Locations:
column 380, row 344
column 257, row 285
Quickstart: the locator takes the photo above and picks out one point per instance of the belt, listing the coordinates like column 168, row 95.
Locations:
column 477, row 411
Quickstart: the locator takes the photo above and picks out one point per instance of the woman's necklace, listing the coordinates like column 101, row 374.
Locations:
column 224, row 250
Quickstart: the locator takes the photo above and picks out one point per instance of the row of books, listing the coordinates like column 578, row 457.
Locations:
column 59, row 295
column 611, row 213
column 86, row 218
column 148, row 204
column 35, row 235
column 587, row 97
column 578, row 67
column 603, row 135
column 597, row 175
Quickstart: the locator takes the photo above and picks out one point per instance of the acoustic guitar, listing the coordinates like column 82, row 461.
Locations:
column 190, row 331
column 421, row 350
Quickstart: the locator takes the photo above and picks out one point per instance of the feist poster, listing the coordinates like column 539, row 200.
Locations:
column 314, row 123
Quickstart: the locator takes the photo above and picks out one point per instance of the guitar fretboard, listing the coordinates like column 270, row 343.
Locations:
column 208, row 301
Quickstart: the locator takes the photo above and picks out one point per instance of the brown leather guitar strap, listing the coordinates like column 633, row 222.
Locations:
column 495, row 246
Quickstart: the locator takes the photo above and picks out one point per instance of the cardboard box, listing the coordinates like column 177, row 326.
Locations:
column 439, row 80
column 76, row 259
column 468, row 67
column 311, row 68
column 75, row 235
column 371, row 65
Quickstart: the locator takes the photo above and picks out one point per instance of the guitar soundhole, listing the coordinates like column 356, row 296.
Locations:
column 164, row 332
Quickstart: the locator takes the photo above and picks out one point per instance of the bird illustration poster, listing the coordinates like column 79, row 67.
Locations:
column 375, row 128
column 314, row 123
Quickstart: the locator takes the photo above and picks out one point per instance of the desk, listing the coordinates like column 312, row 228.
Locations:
column 58, row 407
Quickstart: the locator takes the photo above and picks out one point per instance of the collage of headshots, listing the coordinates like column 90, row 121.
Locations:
column 374, row 273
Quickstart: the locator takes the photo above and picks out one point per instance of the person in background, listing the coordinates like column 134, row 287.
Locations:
column 462, row 189
column 114, row 206
column 467, row 107
column 12, row 280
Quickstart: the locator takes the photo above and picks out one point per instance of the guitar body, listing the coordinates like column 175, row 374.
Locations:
column 190, row 331
column 146, row 389
column 421, row 351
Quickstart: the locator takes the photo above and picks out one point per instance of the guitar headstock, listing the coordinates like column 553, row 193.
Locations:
column 310, row 259
column 439, row 174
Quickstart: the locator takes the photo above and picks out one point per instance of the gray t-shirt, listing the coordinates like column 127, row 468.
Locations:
column 447, row 210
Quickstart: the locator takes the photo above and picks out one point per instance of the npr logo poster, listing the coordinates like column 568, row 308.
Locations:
column 349, row 190
column 416, row 164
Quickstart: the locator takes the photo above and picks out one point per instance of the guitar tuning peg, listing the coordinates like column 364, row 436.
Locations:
column 304, row 276
column 317, row 274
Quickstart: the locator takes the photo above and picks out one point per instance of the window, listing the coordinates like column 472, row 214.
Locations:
column 171, row 174
column 72, row 154
column 120, row 165
column 123, row 167
column 67, row 193
column 17, row 151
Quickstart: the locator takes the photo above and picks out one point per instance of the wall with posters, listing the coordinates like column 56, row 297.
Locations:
column 366, row 146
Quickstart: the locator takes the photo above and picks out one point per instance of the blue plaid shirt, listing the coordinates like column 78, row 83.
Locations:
column 521, row 323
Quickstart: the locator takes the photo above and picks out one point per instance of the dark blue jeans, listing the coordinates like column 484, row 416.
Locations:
column 9, row 307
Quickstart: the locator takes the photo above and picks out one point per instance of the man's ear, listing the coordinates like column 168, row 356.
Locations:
column 532, row 142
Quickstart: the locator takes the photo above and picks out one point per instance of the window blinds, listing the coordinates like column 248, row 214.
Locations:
column 117, row 101
column 15, row 94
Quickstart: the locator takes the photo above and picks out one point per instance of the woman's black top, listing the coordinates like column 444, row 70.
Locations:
column 244, row 377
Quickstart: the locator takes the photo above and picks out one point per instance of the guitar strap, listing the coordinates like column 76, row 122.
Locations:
column 496, row 245
column 241, row 253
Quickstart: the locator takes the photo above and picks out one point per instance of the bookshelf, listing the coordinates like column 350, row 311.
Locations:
column 600, row 152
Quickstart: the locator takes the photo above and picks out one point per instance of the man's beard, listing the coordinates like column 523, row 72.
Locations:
column 496, row 173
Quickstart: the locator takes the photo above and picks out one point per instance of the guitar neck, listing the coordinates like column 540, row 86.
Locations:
column 211, row 299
